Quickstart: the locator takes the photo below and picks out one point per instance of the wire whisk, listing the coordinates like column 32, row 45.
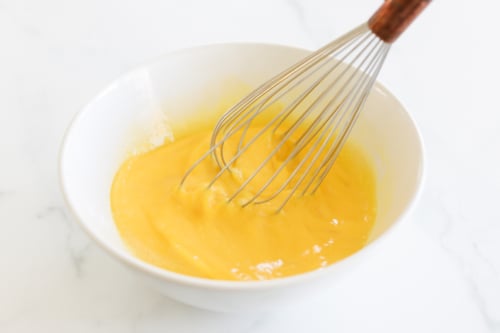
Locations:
column 305, row 113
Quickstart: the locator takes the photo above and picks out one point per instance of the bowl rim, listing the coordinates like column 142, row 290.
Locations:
column 193, row 281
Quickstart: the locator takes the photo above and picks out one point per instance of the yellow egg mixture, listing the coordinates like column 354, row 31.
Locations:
column 193, row 230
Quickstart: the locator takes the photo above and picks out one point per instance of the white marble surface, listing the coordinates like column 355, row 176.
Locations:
column 56, row 54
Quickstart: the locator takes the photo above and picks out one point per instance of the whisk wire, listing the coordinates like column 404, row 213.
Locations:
column 317, row 83
column 244, row 108
column 308, row 135
column 362, row 88
column 323, row 135
column 324, row 144
column 318, row 101
column 281, row 116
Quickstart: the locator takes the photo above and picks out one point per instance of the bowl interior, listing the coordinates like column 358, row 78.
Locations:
column 137, row 106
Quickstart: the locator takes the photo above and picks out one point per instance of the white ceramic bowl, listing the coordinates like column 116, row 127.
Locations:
column 134, row 106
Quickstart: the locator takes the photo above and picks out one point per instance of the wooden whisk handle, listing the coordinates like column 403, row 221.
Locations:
column 394, row 16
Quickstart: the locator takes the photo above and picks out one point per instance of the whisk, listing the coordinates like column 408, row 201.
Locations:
column 308, row 110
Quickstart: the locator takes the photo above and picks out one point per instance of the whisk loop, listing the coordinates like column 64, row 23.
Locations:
column 306, row 112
